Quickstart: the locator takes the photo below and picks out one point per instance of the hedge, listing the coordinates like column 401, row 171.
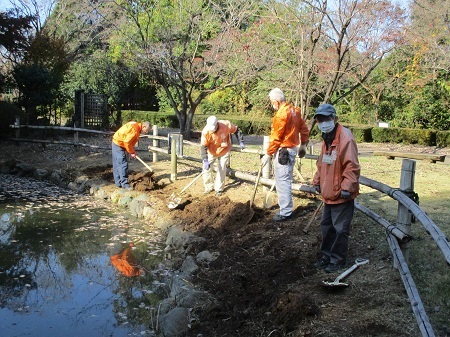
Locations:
column 405, row 136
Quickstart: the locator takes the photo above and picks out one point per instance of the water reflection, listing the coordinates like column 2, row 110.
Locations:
column 126, row 262
column 57, row 274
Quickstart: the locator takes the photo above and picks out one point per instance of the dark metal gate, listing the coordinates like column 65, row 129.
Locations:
column 91, row 110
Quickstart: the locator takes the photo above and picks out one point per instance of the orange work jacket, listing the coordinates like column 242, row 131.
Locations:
column 343, row 173
column 127, row 136
column 219, row 142
column 287, row 124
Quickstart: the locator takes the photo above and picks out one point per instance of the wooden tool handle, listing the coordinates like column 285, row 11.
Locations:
column 143, row 162
column 305, row 230
column 256, row 185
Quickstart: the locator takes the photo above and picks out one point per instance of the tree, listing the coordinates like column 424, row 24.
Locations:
column 327, row 49
column 100, row 75
column 40, row 73
column 13, row 41
column 191, row 48
column 14, row 33
column 429, row 38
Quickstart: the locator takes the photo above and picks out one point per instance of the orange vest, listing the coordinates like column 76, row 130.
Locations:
column 287, row 124
column 127, row 136
column 219, row 142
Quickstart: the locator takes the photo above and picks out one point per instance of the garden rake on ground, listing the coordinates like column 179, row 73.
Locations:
column 175, row 200
column 337, row 281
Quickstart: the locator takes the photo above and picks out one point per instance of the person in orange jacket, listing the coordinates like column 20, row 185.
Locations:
column 216, row 145
column 288, row 131
column 123, row 142
column 337, row 179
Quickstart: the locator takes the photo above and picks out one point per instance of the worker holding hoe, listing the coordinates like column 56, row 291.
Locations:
column 287, row 132
column 337, row 179
column 216, row 145
column 123, row 142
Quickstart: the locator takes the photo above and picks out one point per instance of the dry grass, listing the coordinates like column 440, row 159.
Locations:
column 427, row 263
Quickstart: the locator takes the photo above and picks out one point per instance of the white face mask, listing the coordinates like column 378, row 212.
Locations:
column 326, row 126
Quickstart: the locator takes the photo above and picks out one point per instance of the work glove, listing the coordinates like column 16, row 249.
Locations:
column 345, row 194
column 302, row 151
column 133, row 155
column 265, row 159
column 242, row 145
column 205, row 164
column 317, row 188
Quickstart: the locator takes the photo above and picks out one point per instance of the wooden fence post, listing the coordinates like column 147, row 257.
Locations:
column 403, row 214
column 268, row 167
column 75, row 135
column 155, row 143
column 173, row 158
column 17, row 126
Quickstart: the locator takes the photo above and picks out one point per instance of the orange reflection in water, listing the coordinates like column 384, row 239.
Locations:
column 125, row 262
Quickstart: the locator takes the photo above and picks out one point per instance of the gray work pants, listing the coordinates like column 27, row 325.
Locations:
column 335, row 226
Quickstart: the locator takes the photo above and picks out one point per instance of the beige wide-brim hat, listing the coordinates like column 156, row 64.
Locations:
column 211, row 123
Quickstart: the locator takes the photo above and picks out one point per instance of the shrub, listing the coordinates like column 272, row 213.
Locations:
column 362, row 134
column 443, row 138
column 9, row 112
column 168, row 120
column 247, row 124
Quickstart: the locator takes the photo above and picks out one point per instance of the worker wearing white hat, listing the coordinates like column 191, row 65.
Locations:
column 216, row 146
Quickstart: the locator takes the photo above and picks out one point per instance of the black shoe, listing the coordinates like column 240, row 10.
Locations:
column 335, row 267
column 322, row 263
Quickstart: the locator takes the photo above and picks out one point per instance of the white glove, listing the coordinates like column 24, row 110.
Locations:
column 265, row 160
column 302, row 151
column 206, row 164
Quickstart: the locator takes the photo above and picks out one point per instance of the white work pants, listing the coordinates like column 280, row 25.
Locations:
column 283, row 182
column 222, row 163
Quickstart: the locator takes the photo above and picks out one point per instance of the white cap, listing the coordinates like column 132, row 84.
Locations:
column 211, row 123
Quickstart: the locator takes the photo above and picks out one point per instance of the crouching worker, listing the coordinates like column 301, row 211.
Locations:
column 216, row 146
column 337, row 179
column 123, row 142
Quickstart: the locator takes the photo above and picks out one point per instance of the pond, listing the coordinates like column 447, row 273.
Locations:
column 74, row 266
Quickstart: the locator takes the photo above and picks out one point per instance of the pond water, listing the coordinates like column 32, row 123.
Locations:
column 74, row 266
